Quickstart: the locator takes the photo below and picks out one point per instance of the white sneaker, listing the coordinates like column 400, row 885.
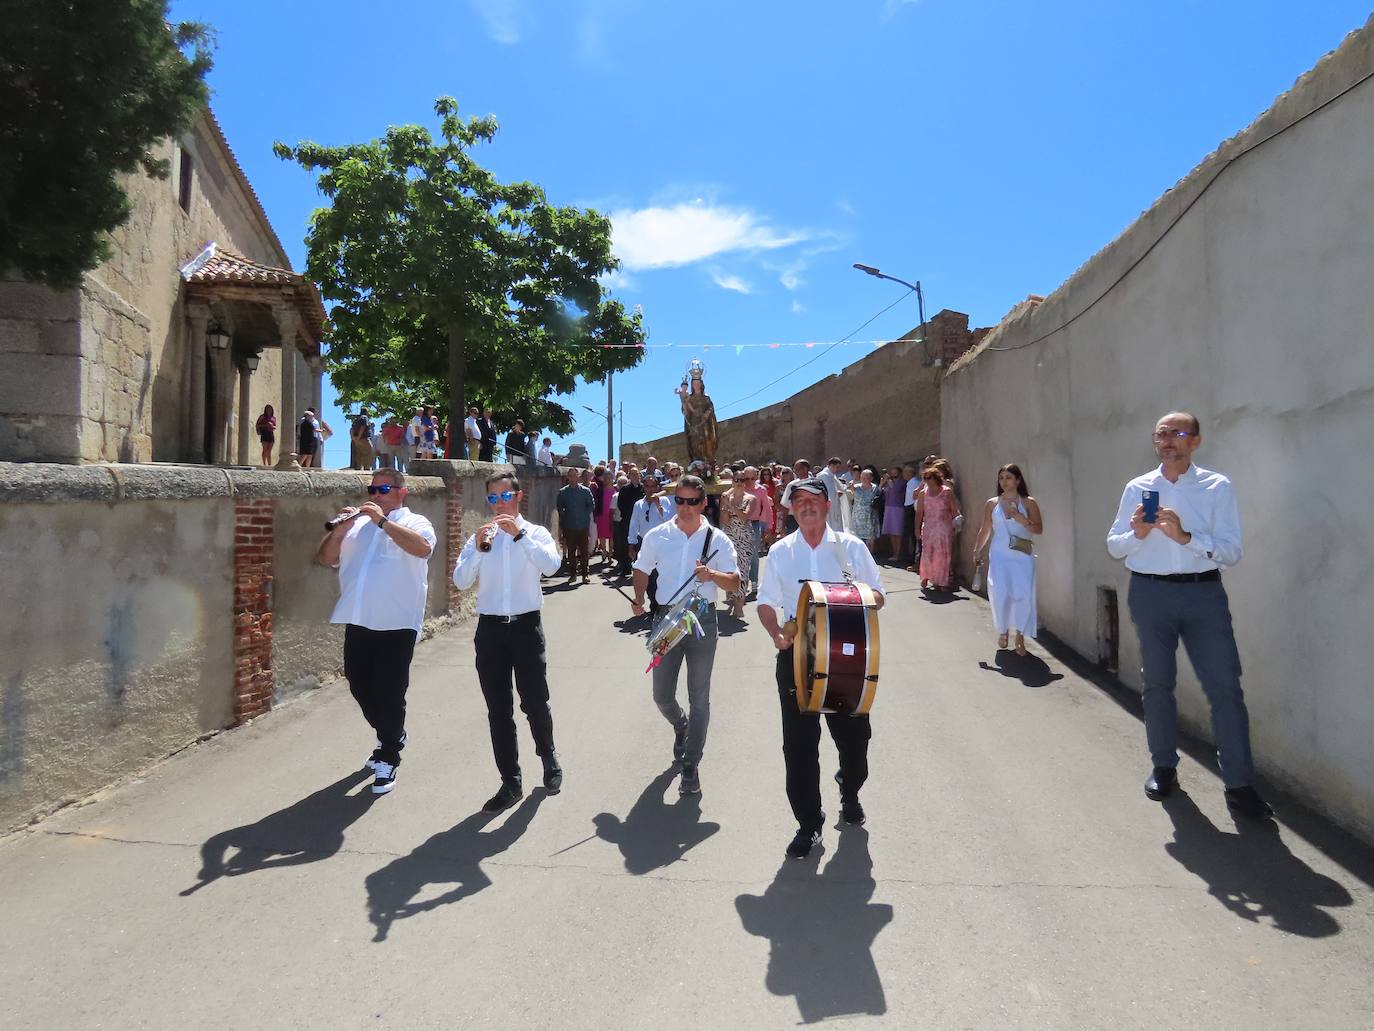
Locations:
column 372, row 760
column 386, row 778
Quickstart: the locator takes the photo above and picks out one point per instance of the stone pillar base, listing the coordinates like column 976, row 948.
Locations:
column 289, row 462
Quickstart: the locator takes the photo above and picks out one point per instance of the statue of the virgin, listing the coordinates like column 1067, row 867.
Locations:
column 698, row 415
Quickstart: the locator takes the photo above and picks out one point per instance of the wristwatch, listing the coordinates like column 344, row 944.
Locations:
column 519, row 535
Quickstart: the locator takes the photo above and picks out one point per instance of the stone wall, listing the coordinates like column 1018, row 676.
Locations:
column 101, row 373
column 149, row 606
column 1241, row 295
column 883, row 408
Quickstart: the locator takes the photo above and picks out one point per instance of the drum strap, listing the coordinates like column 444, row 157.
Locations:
column 842, row 556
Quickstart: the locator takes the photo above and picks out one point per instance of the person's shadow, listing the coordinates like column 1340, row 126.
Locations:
column 821, row 926
column 1030, row 670
column 306, row 832
column 728, row 625
column 1252, row 873
column 654, row 833
column 942, row 597
column 452, row 857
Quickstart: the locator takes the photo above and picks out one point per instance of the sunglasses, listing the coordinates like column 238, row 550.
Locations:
column 379, row 488
column 748, row 479
column 505, row 495
column 1173, row 435
column 689, row 502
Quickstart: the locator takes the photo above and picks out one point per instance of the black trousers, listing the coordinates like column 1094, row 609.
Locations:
column 911, row 544
column 514, row 648
column 801, row 739
column 622, row 545
column 377, row 665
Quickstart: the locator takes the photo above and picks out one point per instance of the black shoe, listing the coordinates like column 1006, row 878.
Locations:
column 385, row 778
column 680, row 742
column 803, row 843
column 1246, row 802
column 553, row 776
column 852, row 812
column 1161, row 783
column 509, row 794
column 691, row 781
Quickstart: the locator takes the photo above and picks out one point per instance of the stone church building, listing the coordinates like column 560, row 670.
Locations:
column 168, row 351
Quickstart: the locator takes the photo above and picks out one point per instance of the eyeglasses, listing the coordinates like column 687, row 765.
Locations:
column 690, row 502
column 379, row 488
column 748, row 479
column 1172, row 435
column 505, row 495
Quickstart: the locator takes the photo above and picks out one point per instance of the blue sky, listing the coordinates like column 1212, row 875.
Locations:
column 750, row 153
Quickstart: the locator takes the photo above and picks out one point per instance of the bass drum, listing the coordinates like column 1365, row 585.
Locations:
column 835, row 657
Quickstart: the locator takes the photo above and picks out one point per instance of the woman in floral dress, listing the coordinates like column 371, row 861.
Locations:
column 936, row 507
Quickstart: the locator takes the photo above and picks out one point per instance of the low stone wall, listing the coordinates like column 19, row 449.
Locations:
column 148, row 606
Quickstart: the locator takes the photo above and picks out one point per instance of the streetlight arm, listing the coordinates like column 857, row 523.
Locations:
column 883, row 275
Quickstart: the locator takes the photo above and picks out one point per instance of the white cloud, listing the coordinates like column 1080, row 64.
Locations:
column 891, row 7
column 798, row 307
column 727, row 282
column 617, row 280
column 664, row 237
column 501, row 17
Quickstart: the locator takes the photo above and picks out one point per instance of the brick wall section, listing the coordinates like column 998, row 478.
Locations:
column 454, row 519
column 254, row 521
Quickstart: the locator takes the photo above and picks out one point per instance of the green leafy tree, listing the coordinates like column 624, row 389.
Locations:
column 87, row 90
column 446, row 283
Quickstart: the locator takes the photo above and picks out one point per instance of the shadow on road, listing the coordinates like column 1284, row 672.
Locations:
column 821, row 927
column 654, row 833
column 1030, row 670
column 943, row 597
column 306, row 832
column 452, row 857
column 1252, row 873
column 728, row 625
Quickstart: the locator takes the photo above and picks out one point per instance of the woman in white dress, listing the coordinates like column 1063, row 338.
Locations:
column 1010, row 521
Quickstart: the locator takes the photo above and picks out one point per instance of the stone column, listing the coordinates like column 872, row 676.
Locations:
column 198, row 319
column 317, row 382
column 222, row 386
column 245, row 416
column 288, row 321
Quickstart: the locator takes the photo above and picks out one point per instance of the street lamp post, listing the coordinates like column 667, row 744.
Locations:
column 920, row 298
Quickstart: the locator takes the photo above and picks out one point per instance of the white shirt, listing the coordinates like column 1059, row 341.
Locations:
column 382, row 587
column 646, row 515
column 1206, row 506
column 508, row 575
column 792, row 560
column 912, row 486
column 835, row 517
column 470, row 429
column 546, row 455
column 675, row 556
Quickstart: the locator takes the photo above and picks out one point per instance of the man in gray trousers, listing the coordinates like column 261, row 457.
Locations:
column 687, row 548
column 1177, row 527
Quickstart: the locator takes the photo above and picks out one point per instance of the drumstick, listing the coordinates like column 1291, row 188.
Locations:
column 705, row 561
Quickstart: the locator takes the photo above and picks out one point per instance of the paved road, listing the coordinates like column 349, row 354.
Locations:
column 1012, row 875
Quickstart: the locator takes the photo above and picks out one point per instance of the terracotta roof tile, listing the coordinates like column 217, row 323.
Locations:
column 215, row 265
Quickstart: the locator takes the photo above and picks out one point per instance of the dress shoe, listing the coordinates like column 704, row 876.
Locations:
column 553, row 776
column 802, row 844
column 1161, row 782
column 1246, row 802
column 509, row 794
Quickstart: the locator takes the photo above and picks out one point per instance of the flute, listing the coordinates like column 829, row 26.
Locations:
column 486, row 535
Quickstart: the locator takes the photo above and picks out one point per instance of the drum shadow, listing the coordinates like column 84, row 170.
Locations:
column 451, row 857
column 304, row 832
column 1252, row 872
column 821, row 926
column 655, row 833
column 1030, row 670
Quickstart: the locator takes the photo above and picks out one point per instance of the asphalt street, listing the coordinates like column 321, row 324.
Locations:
column 1011, row 874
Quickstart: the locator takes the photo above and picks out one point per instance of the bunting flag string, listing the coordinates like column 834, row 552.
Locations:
column 739, row 348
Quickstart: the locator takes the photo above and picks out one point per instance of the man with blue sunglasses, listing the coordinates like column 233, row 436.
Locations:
column 505, row 558
column 381, row 551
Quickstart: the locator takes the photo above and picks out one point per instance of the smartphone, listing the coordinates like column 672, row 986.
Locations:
column 1150, row 499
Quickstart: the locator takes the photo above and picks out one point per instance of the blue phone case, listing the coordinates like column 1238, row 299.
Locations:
column 1150, row 499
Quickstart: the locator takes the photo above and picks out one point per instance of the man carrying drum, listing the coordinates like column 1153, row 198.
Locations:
column 682, row 549
column 815, row 551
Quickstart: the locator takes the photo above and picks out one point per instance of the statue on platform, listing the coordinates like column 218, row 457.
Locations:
column 698, row 416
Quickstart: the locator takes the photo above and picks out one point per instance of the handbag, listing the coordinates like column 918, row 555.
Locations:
column 1021, row 544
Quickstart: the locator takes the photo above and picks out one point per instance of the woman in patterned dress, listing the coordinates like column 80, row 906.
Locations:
column 863, row 523
column 737, row 508
column 936, row 507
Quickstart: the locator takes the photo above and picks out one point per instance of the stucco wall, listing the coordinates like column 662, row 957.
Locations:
column 1243, row 296
column 100, row 373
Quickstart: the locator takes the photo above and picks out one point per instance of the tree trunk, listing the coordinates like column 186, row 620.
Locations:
column 457, row 377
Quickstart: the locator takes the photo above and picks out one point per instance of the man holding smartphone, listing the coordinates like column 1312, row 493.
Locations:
column 1177, row 527
column 381, row 551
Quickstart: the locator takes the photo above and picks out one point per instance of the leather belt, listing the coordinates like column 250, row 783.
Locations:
column 519, row 617
column 1183, row 578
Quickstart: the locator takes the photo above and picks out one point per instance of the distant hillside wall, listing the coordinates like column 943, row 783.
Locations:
column 884, row 408
column 1242, row 295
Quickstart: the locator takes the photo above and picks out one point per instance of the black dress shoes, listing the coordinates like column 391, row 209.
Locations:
column 1246, row 802
column 1161, row 783
column 553, row 777
column 510, row 793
